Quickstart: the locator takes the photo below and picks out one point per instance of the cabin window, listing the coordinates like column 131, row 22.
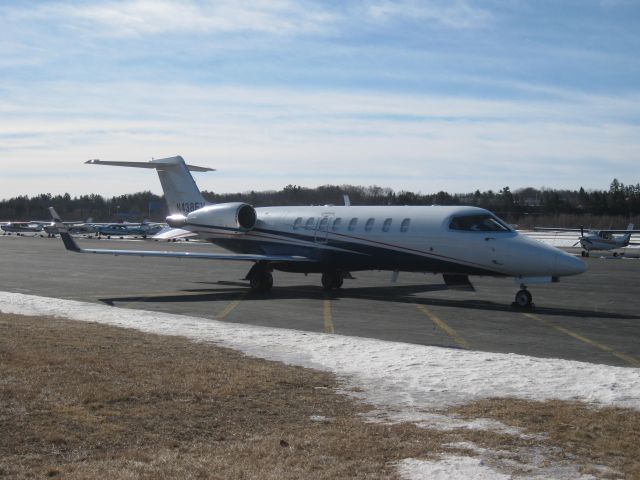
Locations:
column 386, row 225
column 336, row 224
column 323, row 224
column 298, row 223
column 369, row 225
column 478, row 223
column 353, row 224
column 404, row 226
column 310, row 223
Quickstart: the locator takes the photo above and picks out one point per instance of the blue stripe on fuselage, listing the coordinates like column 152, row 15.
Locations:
column 344, row 254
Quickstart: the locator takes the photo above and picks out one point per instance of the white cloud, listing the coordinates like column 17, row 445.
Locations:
column 152, row 17
column 456, row 14
column 268, row 137
column 353, row 106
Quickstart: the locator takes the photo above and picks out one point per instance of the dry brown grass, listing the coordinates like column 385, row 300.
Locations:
column 81, row 400
column 607, row 436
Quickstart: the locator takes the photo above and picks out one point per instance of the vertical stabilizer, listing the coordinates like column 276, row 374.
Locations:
column 179, row 187
column 627, row 238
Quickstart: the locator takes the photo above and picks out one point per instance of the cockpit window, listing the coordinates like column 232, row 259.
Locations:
column 478, row 223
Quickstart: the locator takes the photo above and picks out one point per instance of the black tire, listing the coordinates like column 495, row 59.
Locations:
column 261, row 283
column 267, row 282
column 254, row 283
column 523, row 299
column 332, row 280
column 327, row 281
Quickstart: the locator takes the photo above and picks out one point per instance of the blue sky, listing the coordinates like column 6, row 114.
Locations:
column 417, row 95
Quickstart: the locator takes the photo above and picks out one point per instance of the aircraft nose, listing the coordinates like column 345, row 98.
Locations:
column 567, row 264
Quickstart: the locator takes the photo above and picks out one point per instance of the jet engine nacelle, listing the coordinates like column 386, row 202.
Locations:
column 236, row 216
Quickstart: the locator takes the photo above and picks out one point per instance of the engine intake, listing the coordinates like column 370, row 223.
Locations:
column 236, row 216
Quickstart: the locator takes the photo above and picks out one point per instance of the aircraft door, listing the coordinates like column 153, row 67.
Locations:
column 322, row 228
column 497, row 249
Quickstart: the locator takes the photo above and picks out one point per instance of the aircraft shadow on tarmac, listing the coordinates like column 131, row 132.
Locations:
column 231, row 291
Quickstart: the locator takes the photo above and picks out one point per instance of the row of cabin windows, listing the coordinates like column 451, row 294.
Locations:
column 310, row 224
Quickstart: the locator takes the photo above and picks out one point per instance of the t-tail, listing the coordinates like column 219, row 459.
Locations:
column 180, row 189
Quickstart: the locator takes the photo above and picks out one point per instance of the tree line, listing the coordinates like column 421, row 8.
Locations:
column 527, row 207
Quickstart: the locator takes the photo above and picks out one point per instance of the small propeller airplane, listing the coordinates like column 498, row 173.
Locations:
column 336, row 240
column 20, row 228
column 605, row 240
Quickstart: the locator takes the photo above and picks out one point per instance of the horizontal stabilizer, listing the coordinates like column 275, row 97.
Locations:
column 157, row 164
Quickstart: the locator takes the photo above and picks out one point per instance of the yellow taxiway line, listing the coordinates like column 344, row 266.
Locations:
column 624, row 357
column 444, row 327
column 229, row 308
column 326, row 315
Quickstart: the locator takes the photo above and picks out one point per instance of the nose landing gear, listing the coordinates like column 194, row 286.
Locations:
column 523, row 298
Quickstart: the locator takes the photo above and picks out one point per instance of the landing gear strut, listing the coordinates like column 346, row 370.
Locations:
column 260, row 278
column 332, row 280
column 523, row 298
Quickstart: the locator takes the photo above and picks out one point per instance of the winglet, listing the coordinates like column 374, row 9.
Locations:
column 69, row 242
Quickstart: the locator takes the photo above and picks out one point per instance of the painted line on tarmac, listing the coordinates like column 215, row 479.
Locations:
column 624, row 357
column 229, row 308
column 326, row 315
column 442, row 325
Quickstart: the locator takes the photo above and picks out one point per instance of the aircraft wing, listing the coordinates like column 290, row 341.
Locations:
column 620, row 231
column 70, row 244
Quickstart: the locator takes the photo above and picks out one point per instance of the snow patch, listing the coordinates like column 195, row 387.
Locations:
column 448, row 468
column 400, row 378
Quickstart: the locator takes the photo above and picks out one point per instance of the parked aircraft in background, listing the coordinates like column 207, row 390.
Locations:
column 605, row 240
column 337, row 240
column 37, row 227
column 83, row 229
column 22, row 227
column 121, row 230
column 143, row 230
column 75, row 228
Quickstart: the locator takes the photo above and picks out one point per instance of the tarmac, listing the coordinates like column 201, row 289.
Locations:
column 593, row 317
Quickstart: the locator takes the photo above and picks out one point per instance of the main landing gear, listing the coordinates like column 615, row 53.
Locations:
column 260, row 277
column 523, row 298
column 332, row 280
column 584, row 253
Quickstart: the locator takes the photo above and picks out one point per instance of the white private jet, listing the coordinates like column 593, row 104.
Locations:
column 337, row 240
